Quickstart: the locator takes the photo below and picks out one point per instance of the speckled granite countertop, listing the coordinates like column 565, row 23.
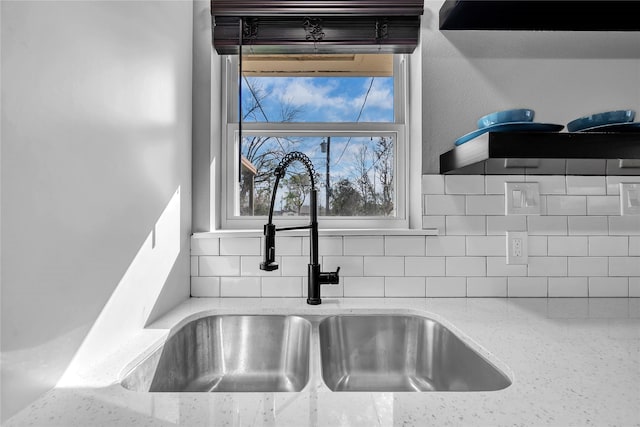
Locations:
column 574, row 362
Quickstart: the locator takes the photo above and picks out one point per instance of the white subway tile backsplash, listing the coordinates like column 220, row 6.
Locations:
column 384, row 266
column 282, row 287
column 405, row 245
column 404, row 287
column 486, row 245
column 538, row 246
column 608, row 245
column 548, row 266
column 588, row 225
column 219, row 266
column 485, row 205
column 499, row 225
column 466, row 225
column 434, row 222
column 446, row 245
column 466, row 266
column 601, row 287
column 444, row 205
column 432, row 184
column 547, row 225
column 494, row 184
column 553, row 184
column 364, row 245
column 205, row 287
column 588, row 266
column 497, row 266
column 364, row 286
column 566, row 205
column 487, row 287
column 205, row 246
column 568, row 246
column 624, row 266
column 424, row 266
column 613, row 184
column 240, row 246
column 250, row 266
column 194, row 266
column 579, row 246
column 586, row 185
column 463, row 184
column 624, row 225
column 603, row 205
column 535, row 287
column 287, row 245
column 327, row 245
column 293, row 265
column 240, row 287
column 349, row 265
column 568, row 287
column 634, row 287
column 446, row 287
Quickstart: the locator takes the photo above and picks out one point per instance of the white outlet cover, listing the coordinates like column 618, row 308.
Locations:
column 629, row 198
column 512, row 248
column 522, row 198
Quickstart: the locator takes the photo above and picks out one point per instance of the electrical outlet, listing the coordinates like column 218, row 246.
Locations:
column 517, row 247
column 522, row 198
column 629, row 198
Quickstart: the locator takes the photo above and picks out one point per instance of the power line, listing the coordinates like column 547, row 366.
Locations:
column 364, row 102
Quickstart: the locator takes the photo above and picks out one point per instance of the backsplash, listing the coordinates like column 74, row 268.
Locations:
column 578, row 246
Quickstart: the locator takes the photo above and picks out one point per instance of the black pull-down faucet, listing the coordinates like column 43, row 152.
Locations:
column 316, row 277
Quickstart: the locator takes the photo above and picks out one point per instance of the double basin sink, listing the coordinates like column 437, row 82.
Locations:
column 286, row 353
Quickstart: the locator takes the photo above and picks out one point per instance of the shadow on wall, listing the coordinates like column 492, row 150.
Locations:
column 96, row 182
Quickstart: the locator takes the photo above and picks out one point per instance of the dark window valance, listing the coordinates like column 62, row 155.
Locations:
column 320, row 26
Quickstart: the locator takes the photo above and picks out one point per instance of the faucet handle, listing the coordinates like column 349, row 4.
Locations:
column 330, row 278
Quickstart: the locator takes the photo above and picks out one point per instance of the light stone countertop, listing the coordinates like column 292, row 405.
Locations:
column 573, row 362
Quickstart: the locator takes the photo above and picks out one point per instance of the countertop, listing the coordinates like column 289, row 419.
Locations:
column 573, row 362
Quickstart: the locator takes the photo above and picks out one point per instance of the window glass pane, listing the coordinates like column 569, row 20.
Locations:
column 318, row 88
column 359, row 171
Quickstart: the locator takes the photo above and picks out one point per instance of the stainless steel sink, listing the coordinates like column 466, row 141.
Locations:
column 229, row 354
column 280, row 353
column 401, row 353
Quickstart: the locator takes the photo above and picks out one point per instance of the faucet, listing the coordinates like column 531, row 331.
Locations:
column 315, row 276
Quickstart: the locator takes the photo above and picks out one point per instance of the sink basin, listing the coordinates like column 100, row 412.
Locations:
column 391, row 353
column 229, row 353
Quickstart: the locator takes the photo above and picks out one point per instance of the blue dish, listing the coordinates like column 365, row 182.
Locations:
column 506, row 116
column 601, row 119
column 511, row 127
column 616, row 127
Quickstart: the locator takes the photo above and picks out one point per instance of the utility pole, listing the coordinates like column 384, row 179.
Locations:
column 325, row 147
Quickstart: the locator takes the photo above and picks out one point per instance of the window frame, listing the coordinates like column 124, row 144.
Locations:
column 229, row 154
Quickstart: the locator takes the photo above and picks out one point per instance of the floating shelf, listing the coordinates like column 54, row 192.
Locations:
column 544, row 153
column 535, row 15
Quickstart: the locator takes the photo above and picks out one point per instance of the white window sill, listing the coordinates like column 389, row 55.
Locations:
column 322, row 232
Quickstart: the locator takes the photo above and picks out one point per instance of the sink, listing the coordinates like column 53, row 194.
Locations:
column 332, row 352
column 392, row 353
column 229, row 353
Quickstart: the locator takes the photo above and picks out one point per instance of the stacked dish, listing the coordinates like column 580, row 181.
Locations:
column 516, row 120
column 608, row 121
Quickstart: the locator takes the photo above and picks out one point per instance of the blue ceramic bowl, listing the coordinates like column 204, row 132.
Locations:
column 506, row 116
column 600, row 119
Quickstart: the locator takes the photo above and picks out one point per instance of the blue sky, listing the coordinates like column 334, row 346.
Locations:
column 326, row 99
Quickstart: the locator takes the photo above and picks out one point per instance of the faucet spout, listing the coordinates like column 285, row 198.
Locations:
column 315, row 276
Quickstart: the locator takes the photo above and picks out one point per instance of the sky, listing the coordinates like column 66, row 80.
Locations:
column 324, row 99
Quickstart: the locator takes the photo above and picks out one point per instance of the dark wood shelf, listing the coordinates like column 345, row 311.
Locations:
column 543, row 153
column 535, row 15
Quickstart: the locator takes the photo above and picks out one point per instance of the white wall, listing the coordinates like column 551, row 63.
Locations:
column 561, row 75
column 96, row 181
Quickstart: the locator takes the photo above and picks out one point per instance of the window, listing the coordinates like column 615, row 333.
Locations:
column 345, row 112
